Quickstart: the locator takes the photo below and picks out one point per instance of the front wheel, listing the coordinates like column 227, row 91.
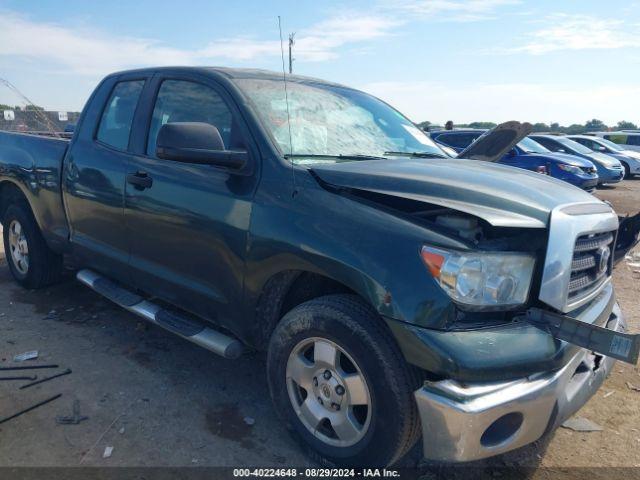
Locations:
column 339, row 382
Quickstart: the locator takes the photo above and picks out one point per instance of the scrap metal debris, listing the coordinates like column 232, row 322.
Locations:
column 580, row 424
column 33, row 377
column 30, row 367
column 633, row 261
column 74, row 419
column 631, row 386
column 30, row 355
column 46, row 379
column 107, row 452
column 28, row 409
column 249, row 420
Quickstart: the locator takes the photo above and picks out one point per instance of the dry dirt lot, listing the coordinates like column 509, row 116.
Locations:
column 161, row 401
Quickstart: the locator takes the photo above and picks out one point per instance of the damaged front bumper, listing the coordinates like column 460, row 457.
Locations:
column 469, row 421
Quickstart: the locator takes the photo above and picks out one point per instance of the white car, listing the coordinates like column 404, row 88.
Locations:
column 627, row 139
column 630, row 159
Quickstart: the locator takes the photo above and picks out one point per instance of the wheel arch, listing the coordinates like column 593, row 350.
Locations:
column 11, row 192
column 287, row 289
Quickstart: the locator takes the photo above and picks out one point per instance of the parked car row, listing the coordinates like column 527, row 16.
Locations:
column 584, row 161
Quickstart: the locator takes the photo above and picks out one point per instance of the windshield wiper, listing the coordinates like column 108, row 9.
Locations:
column 417, row 154
column 354, row 156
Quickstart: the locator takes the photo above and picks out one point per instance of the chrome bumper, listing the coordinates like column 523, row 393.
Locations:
column 463, row 422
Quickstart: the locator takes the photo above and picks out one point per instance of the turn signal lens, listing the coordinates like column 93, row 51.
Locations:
column 433, row 261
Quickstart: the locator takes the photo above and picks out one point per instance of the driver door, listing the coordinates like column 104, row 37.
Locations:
column 188, row 223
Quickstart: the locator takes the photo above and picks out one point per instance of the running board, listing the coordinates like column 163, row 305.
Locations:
column 181, row 325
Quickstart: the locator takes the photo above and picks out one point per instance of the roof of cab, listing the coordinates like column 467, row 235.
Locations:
column 230, row 73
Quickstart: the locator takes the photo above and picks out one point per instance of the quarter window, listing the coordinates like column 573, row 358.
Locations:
column 115, row 124
column 184, row 101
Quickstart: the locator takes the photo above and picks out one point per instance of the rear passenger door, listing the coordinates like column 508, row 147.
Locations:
column 188, row 228
column 94, row 177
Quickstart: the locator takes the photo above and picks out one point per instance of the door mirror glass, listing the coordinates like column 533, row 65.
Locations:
column 197, row 142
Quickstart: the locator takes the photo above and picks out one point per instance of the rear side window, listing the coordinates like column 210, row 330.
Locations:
column 115, row 124
column 458, row 140
column 633, row 140
column 184, row 101
column 550, row 144
column 619, row 139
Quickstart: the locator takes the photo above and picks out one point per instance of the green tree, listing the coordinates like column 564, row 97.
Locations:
column 5, row 107
column 595, row 125
column 481, row 125
column 624, row 125
column 424, row 125
column 573, row 129
column 540, row 127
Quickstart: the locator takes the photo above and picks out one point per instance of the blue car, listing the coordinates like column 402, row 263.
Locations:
column 529, row 155
column 610, row 170
column 630, row 159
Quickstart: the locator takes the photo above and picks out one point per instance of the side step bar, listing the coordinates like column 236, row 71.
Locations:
column 183, row 326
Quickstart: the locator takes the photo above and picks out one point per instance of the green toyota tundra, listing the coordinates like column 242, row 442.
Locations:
column 399, row 293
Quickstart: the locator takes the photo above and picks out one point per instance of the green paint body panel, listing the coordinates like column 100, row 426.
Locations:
column 209, row 241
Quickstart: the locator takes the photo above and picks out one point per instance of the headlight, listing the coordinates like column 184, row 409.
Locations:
column 569, row 168
column 481, row 279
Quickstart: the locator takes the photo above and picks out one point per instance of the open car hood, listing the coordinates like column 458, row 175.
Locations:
column 495, row 143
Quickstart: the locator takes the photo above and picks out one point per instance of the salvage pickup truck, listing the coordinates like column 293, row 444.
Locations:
column 398, row 293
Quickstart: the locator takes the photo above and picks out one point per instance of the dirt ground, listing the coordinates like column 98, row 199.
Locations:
column 161, row 401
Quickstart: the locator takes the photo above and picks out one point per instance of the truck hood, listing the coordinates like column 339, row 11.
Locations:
column 501, row 195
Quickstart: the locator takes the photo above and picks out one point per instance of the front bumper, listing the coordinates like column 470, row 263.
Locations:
column 464, row 422
column 610, row 176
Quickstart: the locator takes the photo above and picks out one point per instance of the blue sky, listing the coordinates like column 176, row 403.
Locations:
column 435, row 60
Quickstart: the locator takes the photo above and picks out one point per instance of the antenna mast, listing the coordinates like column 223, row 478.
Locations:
column 291, row 44
column 286, row 99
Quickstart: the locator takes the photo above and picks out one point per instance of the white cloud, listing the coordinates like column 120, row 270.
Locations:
column 498, row 102
column 90, row 52
column 451, row 10
column 579, row 32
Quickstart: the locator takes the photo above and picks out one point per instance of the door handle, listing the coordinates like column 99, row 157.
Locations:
column 140, row 180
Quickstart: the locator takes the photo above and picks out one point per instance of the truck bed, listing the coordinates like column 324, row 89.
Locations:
column 33, row 163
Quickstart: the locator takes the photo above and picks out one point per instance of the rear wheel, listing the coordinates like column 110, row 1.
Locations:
column 341, row 385
column 627, row 170
column 31, row 262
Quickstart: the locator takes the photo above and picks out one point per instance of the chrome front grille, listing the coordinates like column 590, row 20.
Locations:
column 591, row 264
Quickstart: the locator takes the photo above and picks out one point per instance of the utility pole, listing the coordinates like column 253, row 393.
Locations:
column 291, row 43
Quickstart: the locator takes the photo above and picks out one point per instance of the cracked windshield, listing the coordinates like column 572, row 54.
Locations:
column 332, row 124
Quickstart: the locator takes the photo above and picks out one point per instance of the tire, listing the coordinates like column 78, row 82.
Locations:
column 31, row 262
column 627, row 171
column 386, row 427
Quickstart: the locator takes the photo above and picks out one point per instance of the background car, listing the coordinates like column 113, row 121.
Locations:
column 628, row 139
column 630, row 159
column 529, row 155
column 610, row 169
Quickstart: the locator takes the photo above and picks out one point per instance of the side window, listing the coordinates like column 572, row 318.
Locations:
column 184, row 101
column 115, row 124
column 550, row 144
column 619, row 139
column 588, row 143
column 457, row 140
column 633, row 140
